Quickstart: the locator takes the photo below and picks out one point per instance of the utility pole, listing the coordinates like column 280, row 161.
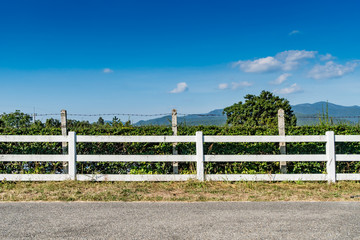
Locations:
column 34, row 116
column 174, row 129
column 282, row 145
column 64, row 133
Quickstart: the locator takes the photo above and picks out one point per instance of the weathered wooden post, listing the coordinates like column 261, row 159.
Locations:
column 282, row 145
column 174, row 130
column 64, row 133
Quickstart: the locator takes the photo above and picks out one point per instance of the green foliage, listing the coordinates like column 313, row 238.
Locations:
column 116, row 122
column 259, row 111
column 78, row 124
column 324, row 118
column 100, row 121
column 15, row 120
column 52, row 123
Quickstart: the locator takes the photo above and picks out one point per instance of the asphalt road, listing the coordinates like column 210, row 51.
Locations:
column 214, row 220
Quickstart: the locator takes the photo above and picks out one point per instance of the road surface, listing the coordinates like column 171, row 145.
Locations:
column 211, row 220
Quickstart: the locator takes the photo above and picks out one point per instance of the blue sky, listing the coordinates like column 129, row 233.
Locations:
column 151, row 56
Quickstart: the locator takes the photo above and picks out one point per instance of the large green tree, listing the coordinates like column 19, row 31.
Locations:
column 259, row 111
column 16, row 119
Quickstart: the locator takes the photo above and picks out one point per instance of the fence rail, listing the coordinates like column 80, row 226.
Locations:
column 72, row 158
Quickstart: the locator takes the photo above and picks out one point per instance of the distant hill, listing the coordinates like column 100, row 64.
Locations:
column 334, row 110
column 307, row 114
column 214, row 117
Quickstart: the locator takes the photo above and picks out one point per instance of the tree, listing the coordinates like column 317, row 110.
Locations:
column 116, row 122
column 100, row 121
column 16, row 119
column 51, row 122
column 259, row 111
column 71, row 123
column 38, row 124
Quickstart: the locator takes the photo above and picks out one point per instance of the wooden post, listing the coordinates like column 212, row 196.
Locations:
column 331, row 157
column 282, row 145
column 64, row 133
column 200, row 171
column 174, row 129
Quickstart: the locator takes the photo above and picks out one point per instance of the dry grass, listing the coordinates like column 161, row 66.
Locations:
column 179, row 191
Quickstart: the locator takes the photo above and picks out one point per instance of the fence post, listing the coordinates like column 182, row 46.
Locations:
column 331, row 157
column 64, row 145
column 174, row 129
column 72, row 155
column 34, row 115
column 282, row 145
column 200, row 156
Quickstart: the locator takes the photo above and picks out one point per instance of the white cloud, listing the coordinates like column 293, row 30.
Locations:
column 326, row 57
column 107, row 70
column 180, row 87
column 294, row 32
column 332, row 70
column 285, row 61
column 223, row 86
column 282, row 78
column 267, row 64
column 295, row 55
column 292, row 89
column 236, row 85
column 291, row 59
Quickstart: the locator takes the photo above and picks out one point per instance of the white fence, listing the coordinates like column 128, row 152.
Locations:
column 72, row 158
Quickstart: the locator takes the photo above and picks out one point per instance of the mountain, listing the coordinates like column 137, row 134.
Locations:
column 214, row 117
column 307, row 114
column 319, row 107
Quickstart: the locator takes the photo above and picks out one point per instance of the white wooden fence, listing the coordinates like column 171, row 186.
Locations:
column 72, row 158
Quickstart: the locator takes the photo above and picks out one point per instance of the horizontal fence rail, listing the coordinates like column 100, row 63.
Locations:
column 27, row 138
column 136, row 158
column 153, row 139
column 266, row 158
column 199, row 158
column 265, row 139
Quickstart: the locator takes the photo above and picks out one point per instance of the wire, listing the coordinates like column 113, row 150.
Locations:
column 166, row 114
column 200, row 115
column 45, row 114
column 118, row 114
column 329, row 117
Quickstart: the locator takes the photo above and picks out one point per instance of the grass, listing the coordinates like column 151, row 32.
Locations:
column 179, row 191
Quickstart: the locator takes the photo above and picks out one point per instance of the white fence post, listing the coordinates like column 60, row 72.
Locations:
column 331, row 157
column 200, row 156
column 174, row 129
column 72, row 155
